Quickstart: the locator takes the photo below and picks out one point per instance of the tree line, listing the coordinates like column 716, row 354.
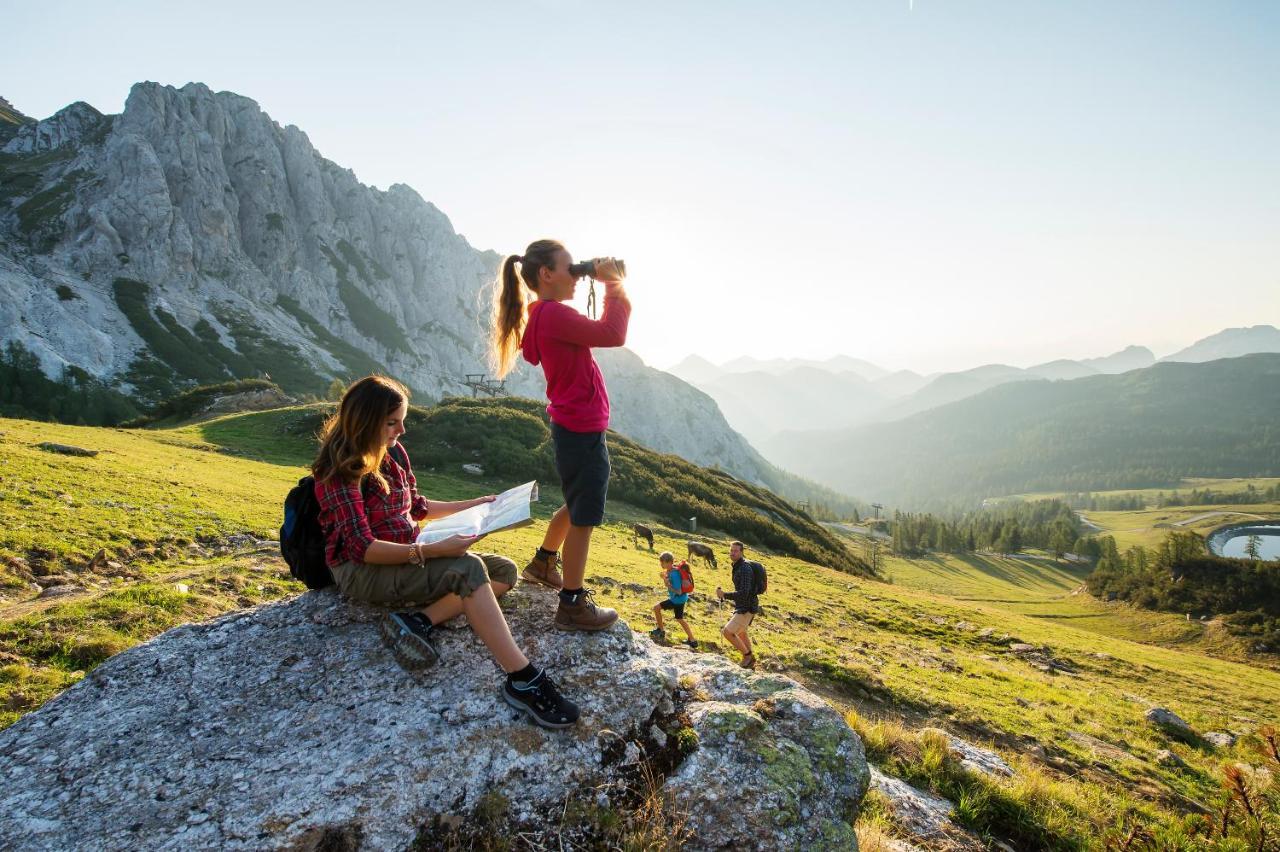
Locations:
column 1195, row 497
column 1010, row 527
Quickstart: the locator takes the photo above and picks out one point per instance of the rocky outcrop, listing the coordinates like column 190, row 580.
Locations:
column 974, row 758
column 69, row 126
column 289, row 726
column 250, row 400
column 193, row 238
column 921, row 815
column 1171, row 723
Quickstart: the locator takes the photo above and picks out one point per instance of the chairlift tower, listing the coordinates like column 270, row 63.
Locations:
column 482, row 384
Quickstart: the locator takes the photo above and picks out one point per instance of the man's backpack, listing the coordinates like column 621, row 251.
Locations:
column 302, row 539
column 760, row 577
column 686, row 577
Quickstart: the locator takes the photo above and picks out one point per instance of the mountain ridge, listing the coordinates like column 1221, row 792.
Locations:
column 192, row 239
column 1142, row 428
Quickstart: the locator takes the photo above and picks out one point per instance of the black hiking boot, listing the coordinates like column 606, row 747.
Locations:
column 408, row 635
column 542, row 701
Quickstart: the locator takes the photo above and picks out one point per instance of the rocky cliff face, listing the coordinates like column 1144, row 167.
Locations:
column 289, row 726
column 193, row 239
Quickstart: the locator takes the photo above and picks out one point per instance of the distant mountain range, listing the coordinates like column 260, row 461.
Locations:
column 1230, row 343
column 762, row 398
column 1139, row 429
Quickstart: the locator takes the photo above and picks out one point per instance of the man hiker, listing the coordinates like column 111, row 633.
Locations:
column 746, row 603
column 678, row 580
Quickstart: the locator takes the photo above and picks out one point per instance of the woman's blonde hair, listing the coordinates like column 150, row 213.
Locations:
column 352, row 440
column 509, row 307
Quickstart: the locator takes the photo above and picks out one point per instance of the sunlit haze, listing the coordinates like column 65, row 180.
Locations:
column 927, row 185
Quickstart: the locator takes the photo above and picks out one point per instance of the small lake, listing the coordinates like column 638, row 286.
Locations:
column 1232, row 542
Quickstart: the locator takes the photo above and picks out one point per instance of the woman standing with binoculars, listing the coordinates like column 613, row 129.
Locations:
column 550, row 333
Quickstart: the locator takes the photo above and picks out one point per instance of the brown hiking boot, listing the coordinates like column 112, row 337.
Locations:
column 543, row 571
column 583, row 615
column 748, row 661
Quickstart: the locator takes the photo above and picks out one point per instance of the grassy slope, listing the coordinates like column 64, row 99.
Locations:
column 888, row 650
column 1148, row 527
column 1187, row 485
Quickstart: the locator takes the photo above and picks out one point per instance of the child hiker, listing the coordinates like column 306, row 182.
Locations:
column 550, row 333
column 678, row 581
column 369, row 506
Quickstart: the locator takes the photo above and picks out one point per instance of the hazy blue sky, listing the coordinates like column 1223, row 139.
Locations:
column 922, row 183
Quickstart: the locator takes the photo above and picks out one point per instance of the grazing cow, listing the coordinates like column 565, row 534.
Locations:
column 697, row 548
column 640, row 531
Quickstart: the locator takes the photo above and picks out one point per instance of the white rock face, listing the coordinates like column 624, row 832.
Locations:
column 289, row 726
column 68, row 127
column 238, row 228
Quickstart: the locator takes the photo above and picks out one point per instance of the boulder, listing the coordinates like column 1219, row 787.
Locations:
column 290, row 726
column 924, row 816
column 65, row 449
column 1171, row 723
column 972, row 757
column 1220, row 739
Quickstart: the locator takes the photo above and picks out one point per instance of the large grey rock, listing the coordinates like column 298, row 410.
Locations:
column 289, row 725
column 222, row 213
column 1220, row 739
column 975, row 758
column 922, row 815
column 1171, row 723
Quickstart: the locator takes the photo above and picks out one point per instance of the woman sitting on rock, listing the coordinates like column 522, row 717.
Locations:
column 369, row 506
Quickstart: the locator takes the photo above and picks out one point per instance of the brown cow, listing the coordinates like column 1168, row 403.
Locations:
column 697, row 548
column 640, row 531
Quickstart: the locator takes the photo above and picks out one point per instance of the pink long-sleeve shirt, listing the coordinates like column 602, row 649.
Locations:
column 560, row 339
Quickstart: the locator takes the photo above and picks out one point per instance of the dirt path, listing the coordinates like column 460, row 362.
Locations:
column 96, row 585
column 1204, row 515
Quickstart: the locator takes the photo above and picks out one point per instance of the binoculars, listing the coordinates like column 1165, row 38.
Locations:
column 588, row 268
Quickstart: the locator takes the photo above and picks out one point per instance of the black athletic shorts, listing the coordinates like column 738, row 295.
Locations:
column 582, row 461
column 678, row 608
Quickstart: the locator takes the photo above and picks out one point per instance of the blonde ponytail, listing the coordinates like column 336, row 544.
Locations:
column 510, row 312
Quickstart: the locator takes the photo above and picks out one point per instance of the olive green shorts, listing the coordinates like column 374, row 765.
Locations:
column 423, row 584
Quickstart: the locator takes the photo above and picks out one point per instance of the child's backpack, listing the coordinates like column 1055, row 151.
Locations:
column 301, row 539
column 686, row 577
column 760, row 577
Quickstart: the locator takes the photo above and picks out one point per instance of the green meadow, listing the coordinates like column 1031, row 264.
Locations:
column 178, row 514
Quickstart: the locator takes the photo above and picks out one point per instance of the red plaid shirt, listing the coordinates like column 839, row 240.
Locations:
column 352, row 520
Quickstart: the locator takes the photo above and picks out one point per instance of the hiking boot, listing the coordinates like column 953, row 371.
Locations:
column 543, row 571
column 584, row 614
column 408, row 635
column 542, row 701
column 658, row 635
column 748, row 661
column 692, row 643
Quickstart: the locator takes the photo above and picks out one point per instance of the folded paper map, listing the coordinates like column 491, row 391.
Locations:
column 509, row 511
